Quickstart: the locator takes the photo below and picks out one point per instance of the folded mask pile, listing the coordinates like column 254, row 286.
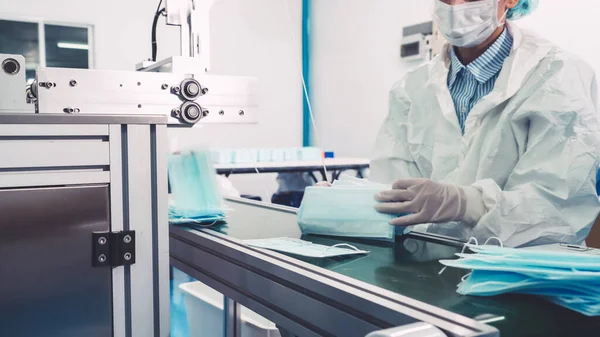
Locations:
column 346, row 209
column 570, row 279
column 195, row 195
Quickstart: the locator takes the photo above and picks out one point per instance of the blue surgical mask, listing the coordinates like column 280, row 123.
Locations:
column 588, row 308
column 573, row 263
column 577, row 296
column 346, row 209
column 570, row 279
column 305, row 248
column 195, row 195
column 489, row 283
column 532, row 271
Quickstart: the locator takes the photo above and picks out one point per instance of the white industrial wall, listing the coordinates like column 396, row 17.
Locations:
column 572, row 24
column 249, row 38
column 355, row 58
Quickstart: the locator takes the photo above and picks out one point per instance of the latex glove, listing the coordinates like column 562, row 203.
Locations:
column 425, row 201
column 323, row 184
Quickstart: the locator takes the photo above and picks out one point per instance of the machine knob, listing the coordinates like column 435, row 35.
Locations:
column 191, row 89
column 191, row 113
column 11, row 66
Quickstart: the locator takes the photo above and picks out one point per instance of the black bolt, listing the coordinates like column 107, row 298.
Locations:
column 241, row 113
column 164, row 86
column 204, row 91
column 121, row 85
column 139, row 106
column 72, row 83
column 139, row 83
column 221, row 113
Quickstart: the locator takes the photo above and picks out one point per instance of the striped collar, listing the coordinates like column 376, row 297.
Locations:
column 485, row 66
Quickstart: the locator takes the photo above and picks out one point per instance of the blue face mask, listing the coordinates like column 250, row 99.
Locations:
column 305, row 248
column 570, row 279
column 588, row 308
column 512, row 260
column 490, row 283
column 195, row 195
column 532, row 271
column 346, row 209
column 577, row 296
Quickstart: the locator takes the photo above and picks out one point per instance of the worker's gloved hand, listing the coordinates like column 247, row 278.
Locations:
column 425, row 201
column 323, row 184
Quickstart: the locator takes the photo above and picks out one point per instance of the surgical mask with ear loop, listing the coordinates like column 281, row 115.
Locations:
column 469, row 24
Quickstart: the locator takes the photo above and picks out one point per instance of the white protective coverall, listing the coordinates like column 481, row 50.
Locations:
column 532, row 146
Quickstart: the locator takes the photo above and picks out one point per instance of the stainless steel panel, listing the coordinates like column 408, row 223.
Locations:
column 53, row 153
column 12, row 85
column 140, row 216
column 116, row 218
column 63, row 118
column 48, row 286
column 52, row 178
column 110, row 92
column 21, row 130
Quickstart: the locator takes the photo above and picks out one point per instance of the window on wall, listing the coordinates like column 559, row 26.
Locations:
column 47, row 44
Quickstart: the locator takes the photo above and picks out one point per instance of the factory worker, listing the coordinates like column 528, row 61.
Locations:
column 496, row 137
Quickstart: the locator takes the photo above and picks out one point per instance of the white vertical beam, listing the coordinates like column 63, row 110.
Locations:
column 162, row 238
column 140, row 221
column 42, row 43
column 116, row 224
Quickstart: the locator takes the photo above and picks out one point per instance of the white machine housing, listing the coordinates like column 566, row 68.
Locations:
column 12, row 84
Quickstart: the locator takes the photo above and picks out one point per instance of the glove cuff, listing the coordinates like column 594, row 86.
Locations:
column 474, row 206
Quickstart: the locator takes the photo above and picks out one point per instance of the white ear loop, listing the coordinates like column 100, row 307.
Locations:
column 204, row 225
column 473, row 239
column 462, row 251
column 494, row 238
column 341, row 245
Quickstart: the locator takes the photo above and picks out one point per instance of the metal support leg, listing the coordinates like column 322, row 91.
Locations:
column 312, row 175
column 232, row 318
column 285, row 333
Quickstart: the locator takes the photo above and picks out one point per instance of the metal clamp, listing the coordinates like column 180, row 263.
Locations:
column 113, row 249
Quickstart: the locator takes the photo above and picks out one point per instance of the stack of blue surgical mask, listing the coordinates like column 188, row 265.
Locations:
column 346, row 209
column 248, row 156
column 195, row 196
column 570, row 279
